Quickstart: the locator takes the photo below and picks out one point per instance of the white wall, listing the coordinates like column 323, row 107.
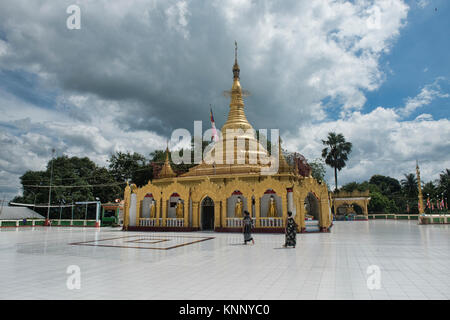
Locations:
column 133, row 203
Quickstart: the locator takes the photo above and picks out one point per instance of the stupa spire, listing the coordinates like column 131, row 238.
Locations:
column 166, row 170
column 420, row 197
column 236, row 69
column 236, row 116
column 283, row 166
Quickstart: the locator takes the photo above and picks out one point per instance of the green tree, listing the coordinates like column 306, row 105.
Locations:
column 409, row 186
column 130, row 166
column 336, row 152
column 350, row 187
column 74, row 179
column 387, row 185
column 429, row 189
column 444, row 184
column 381, row 204
column 317, row 169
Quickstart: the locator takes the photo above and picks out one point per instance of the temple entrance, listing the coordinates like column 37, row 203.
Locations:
column 207, row 214
column 312, row 207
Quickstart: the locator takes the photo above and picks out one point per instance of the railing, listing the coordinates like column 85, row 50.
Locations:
column 271, row 222
column 70, row 222
column 237, row 222
column 147, row 222
column 175, row 222
column 435, row 218
column 152, row 222
column 41, row 222
column 392, row 216
column 234, row 222
column 18, row 223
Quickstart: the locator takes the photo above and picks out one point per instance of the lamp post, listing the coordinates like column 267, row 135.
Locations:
column 34, row 202
column 50, row 188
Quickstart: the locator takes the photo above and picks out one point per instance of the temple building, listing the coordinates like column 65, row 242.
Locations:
column 214, row 194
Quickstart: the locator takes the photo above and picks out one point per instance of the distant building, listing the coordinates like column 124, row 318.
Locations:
column 18, row 213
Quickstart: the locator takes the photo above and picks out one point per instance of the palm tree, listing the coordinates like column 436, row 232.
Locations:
column 409, row 185
column 444, row 183
column 336, row 153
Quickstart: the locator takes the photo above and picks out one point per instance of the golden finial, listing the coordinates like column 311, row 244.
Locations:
column 236, row 69
column 166, row 170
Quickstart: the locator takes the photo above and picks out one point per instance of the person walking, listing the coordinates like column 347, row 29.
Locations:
column 247, row 227
column 291, row 231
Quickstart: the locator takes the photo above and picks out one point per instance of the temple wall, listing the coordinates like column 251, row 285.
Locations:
column 220, row 190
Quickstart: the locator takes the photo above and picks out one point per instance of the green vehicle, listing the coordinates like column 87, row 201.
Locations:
column 110, row 214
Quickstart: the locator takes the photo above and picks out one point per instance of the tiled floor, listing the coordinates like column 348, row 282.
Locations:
column 413, row 260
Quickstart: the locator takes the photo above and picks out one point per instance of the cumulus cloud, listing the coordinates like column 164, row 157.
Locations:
column 427, row 94
column 381, row 144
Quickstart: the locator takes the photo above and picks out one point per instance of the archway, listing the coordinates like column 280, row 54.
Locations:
column 207, row 214
column 357, row 209
column 176, row 206
column 146, row 205
column 232, row 205
column 270, row 198
column 312, row 206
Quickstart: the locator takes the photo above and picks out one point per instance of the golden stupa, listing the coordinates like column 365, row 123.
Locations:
column 209, row 191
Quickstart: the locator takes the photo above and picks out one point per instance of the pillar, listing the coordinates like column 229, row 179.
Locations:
column 195, row 214
column 324, row 213
column 223, row 214
column 164, row 212
column 258, row 211
column 284, row 200
column 185, row 215
column 138, row 210
column 290, row 202
column 301, row 214
column 158, row 212
column 216, row 214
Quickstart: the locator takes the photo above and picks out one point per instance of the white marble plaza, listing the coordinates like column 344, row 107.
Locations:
column 414, row 263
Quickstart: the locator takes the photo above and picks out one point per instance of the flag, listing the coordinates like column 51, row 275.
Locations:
column 428, row 202
column 442, row 204
column 215, row 136
column 407, row 207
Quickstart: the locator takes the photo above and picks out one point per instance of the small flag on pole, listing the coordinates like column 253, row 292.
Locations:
column 215, row 136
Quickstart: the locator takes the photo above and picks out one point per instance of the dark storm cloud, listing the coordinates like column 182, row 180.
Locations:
column 172, row 70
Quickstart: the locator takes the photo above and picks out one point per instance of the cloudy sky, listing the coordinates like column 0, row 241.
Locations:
column 376, row 71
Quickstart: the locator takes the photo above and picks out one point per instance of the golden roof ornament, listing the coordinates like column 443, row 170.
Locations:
column 166, row 170
column 283, row 166
column 236, row 116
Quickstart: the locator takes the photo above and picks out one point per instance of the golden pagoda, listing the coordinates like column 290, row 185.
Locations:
column 166, row 170
column 235, row 169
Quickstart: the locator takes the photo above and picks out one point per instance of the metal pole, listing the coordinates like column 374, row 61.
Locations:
column 72, row 211
column 50, row 187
